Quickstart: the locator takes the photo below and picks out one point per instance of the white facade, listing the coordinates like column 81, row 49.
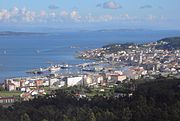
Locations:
column 52, row 81
column 11, row 87
column 71, row 81
column 121, row 78
column 61, row 84
column 88, row 79
column 46, row 83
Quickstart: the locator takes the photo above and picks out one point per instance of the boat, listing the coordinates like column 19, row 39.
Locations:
column 37, row 71
column 88, row 69
column 74, row 47
column 65, row 66
column 54, row 68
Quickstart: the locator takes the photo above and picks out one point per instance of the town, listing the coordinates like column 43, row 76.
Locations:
column 110, row 65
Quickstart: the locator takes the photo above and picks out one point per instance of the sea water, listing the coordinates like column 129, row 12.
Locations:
column 19, row 53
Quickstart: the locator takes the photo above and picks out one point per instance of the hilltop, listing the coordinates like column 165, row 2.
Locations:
column 165, row 44
column 170, row 43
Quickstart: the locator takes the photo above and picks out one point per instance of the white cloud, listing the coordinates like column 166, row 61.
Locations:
column 23, row 10
column 52, row 14
column 42, row 14
column 75, row 16
column 29, row 16
column 111, row 5
column 151, row 17
column 24, row 15
column 106, row 18
column 4, row 14
column 90, row 18
column 64, row 13
column 14, row 11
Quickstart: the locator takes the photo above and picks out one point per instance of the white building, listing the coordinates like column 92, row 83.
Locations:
column 46, row 83
column 71, row 81
column 52, row 81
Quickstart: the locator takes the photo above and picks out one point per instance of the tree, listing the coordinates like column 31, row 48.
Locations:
column 126, row 114
column 92, row 117
column 25, row 117
column 44, row 120
column 65, row 118
column 109, row 116
column 1, row 88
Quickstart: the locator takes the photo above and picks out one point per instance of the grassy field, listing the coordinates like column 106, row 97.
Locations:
column 98, row 92
column 9, row 94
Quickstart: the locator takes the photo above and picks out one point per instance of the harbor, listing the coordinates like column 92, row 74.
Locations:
column 37, row 51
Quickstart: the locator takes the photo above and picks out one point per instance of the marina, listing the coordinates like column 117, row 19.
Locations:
column 50, row 69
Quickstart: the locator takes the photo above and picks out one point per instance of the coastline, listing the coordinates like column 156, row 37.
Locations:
column 58, row 50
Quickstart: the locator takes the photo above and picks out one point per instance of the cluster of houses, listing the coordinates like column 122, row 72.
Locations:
column 154, row 60
column 87, row 79
column 34, row 86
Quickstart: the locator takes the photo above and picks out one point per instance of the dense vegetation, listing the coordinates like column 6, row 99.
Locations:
column 152, row 101
column 173, row 43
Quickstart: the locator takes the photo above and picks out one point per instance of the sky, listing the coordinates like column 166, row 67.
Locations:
column 91, row 14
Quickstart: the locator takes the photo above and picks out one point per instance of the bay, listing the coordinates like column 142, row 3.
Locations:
column 19, row 53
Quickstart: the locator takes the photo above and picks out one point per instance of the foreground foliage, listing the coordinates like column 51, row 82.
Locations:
column 152, row 101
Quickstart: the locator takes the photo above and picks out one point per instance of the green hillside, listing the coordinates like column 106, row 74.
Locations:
column 173, row 43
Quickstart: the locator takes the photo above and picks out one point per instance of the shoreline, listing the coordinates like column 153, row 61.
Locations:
column 106, row 40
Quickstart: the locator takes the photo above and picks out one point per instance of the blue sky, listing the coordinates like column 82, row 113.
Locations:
column 147, row 14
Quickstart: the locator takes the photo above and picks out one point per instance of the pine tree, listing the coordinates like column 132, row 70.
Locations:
column 25, row 117
column 92, row 117
column 65, row 118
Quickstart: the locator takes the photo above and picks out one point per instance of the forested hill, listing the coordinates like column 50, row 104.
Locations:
column 153, row 101
column 173, row 43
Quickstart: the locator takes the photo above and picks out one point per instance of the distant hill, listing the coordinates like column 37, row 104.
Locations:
column 172, row 43
column 7, row 33
column 120, row 30
column 164, row 44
